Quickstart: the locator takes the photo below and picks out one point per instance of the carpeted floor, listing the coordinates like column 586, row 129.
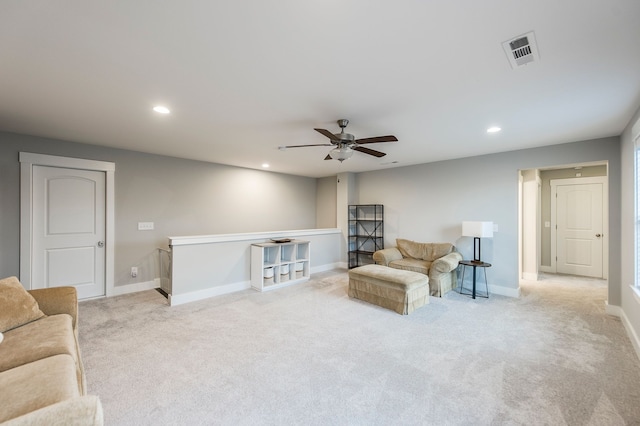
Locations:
column 309, row 355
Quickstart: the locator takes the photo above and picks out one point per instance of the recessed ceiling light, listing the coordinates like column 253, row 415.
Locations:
column 493, row 129
column 265, row 165
column 161, row 109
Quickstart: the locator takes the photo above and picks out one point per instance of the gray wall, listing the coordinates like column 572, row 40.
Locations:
column 181, row 197
column 326, row 199
column 424, row 202
column 429, row 202
column 546, row 176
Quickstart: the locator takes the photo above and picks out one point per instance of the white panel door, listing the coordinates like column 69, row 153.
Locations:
column 579, row 241
column 69, row 229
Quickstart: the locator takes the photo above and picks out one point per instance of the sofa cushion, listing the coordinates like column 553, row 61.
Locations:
column 424, row 251
column 58, row 300
column 409, row 264
column 17, row 307
column 39, row 339
column 387, row 277
column 81, row 411
column 36, row 385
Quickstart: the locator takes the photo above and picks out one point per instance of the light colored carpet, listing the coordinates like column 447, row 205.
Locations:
column 309, row 355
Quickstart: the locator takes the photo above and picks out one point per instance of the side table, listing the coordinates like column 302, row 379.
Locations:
column 475, row 264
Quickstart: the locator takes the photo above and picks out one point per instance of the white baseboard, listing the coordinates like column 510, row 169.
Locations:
column 328, row 267
column 617, row 311
column 136, row 287
column 547, row 269
column 179, row 299
column 530, row 276
column 504, row 291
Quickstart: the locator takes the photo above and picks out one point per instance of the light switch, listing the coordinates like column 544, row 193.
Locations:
column 145, row 226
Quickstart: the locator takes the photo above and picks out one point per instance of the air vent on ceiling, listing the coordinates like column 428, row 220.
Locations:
column 521, row 50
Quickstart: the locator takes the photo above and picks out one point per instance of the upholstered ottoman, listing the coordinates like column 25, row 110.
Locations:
column 396, row 289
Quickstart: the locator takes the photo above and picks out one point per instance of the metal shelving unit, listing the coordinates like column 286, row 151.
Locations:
column 366, row 233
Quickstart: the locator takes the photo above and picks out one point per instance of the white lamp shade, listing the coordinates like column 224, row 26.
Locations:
column 477, row 229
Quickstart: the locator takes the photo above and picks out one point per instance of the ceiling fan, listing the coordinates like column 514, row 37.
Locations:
column 345, row 143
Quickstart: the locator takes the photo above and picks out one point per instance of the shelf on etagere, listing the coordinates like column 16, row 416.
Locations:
column 366, row 233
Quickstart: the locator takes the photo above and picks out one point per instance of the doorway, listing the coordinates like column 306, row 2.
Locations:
column 537, row 237
column 67, row 224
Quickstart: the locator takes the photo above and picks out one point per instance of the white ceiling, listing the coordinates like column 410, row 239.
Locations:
column 244, row 77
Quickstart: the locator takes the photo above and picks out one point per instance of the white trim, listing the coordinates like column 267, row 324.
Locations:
column 636, row 293
column 544, row 268
column 635, row 131
column 66, row 162
column 636, row 172
column 136, row 287
column 604, row 180
column 504, row 291
column 27, row 161
column 180, row 299
column 328, row 267
column 220, row 238
column 617, row 311
column 613, row 310
column 530, row 276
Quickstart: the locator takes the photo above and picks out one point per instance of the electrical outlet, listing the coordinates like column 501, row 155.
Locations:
column 145, row 226
column 134, row 272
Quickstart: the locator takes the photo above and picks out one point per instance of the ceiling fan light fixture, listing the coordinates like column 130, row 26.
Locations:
column 341, row 154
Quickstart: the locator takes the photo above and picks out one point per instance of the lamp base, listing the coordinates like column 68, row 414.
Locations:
column 476, row 249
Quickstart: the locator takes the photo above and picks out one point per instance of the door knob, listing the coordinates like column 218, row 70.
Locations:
column 100, row 243
column 598, row 235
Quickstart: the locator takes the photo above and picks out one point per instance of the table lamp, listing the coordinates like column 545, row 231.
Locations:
column 477, row 230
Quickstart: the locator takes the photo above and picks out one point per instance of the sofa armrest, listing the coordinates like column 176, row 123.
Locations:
column 446, row 263
column 58, row 300
column 384, row 256
column 80, row 411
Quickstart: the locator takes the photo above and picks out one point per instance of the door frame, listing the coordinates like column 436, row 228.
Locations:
column 605, row 218
column 27, row 162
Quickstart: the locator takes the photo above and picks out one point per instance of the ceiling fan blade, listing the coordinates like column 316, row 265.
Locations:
column 369, row 151
column 327, row 134
column 389, row 138
column 328, row 157
column 302, row 146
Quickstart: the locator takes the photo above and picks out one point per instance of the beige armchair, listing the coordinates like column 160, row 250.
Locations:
column 439, row 261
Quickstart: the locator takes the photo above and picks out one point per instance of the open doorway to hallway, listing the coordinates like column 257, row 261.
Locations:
column 563, row 221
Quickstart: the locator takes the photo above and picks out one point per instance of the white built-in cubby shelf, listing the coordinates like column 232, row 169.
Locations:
column 276, row 265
